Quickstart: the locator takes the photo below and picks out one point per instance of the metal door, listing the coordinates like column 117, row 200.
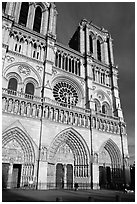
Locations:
column 5, row 170
column 59, row 176
column 69, row 176
column 16, row 175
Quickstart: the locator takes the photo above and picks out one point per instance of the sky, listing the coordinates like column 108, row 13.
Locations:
column 119, row 19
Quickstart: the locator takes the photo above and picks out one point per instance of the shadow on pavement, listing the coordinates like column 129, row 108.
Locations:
column 10, row 196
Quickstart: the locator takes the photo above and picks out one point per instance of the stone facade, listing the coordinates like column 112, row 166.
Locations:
column 67, row 95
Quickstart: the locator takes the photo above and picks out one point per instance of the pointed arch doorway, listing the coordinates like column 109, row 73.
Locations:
column 64, row 167
column 110, row 166
column 18, row 158
column 70, row 154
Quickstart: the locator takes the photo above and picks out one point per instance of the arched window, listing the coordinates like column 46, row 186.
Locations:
column 105, row 109
column 90, row 44
column 4, row 6
column 37, row 20
column 98, row 50
column 24, row 13
column 29, row 89
column 12, row 86
column 97, row 106
column 56, row 60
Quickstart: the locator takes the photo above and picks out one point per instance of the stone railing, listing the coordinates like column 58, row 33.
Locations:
column 30, row 106
column 68, row 61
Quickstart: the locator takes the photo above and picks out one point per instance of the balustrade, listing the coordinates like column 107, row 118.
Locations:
column 101, row 76
column 26, row 45
column 20, row 104
column 67, row 62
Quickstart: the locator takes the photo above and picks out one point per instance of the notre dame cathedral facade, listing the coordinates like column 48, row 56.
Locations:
column 61, row 113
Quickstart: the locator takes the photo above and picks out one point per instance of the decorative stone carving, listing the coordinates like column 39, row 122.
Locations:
column 13, row 152
column 4, row 104
column 10, row 104
column 48, row 84
column 100, row 96
column 93, row 87
column 39, row 68
column 28, row 109
column 24, row 70
column 54, row 72
column 95, row 158
column 22, row 108
column 16, row 106
column 9, row 58
column 43, row 156
column 34, row 110
column 65, row 94
column 82, row 82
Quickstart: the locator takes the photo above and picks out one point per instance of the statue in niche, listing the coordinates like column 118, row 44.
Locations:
column 34, row 109
column 10, row 103
column 111, row 127
column 94, row 123
column 4, row 103
column 56, row 115
column 16, row 106
column 80, row 118
column 22, row 108
column 39, row 111
column 84, row 120
column 46, row 111
column 61, row 116
column 51, row 113
column 67, row 117
column 43, row 153
column 76, row 119
column 28, row 109
column 95, row 158
column 71, row 118
column 126, row 161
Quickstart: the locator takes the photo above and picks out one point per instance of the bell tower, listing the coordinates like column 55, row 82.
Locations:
column 100, row 72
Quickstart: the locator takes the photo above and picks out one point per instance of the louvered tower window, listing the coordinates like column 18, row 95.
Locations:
column 24, row 13
column 98, row 50
column 91, row 44
column 4, row 6
column 37, row 20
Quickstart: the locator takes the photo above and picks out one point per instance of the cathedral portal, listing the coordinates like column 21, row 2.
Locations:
column 17, row 159
column 69, row 158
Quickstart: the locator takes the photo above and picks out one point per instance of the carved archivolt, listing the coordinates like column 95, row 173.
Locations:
column 78, row 147
column 22, row 144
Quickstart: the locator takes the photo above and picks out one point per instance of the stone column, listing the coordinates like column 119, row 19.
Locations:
column 51, row 18
column 94, row 47
column 29, row 49
column 54, row 22
column 9, row 182
column 65, row 176
column 17, row 11
column 106, row 53
column 82, row 46
column 95, row 172
column 31, row 13
column 10, row 8
column 45, row 17
column 111, row 51
column 102, row 51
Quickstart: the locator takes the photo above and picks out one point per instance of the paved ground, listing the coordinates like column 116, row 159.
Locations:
column 18, row 195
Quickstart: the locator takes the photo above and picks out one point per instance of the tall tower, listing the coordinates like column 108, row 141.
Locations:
column 62, row 117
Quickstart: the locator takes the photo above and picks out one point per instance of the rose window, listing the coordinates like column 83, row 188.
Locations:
column 65, row 94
